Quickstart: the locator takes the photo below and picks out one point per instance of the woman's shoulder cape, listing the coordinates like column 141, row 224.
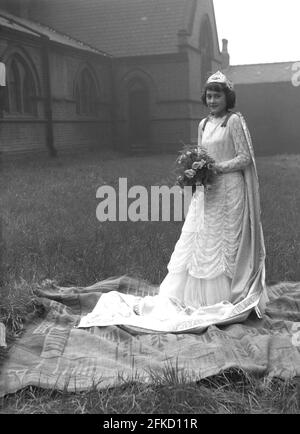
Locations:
column 251, row 247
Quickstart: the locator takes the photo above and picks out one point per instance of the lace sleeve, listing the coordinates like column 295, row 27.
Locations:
column 243, row 157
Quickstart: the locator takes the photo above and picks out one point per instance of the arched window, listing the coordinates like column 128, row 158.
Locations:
column 206, row 49
column 21, row 87
column 86, row 94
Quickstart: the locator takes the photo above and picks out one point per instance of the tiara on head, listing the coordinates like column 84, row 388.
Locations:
column 219, row 77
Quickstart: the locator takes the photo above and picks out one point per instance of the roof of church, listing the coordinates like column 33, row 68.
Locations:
column 32, row 28
column 261, row 73
column 119, row 27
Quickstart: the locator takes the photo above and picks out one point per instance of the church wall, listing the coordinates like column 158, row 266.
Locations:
column 204, row 8
column 22, row 133
column 71, row 129
column 167, row 79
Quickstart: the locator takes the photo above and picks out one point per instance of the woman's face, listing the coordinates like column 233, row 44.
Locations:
column 216, row 102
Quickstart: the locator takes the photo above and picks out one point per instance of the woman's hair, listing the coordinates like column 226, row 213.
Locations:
column 220, row 87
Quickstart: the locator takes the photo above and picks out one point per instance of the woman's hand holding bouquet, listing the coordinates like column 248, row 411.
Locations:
column 195, row 168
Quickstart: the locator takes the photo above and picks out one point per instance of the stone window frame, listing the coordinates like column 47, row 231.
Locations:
column 206, row 49
column 86, row 93
column 22, row 89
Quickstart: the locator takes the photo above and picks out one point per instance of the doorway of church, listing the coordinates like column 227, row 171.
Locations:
column 139, row 118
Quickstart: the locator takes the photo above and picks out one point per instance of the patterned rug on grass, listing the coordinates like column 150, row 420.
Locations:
column 53, row 353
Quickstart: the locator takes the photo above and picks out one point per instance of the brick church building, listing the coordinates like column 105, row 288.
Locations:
column 123, row 75
column 104, row 73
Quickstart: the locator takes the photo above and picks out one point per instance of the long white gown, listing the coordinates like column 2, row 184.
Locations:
column 203, row 262
column 216, row 274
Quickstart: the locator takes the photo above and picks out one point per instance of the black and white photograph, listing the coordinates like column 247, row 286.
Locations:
column 149, row 210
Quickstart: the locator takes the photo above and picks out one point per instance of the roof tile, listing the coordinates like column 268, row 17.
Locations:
column 119, row 27
column 261, row 73
column 32, row 28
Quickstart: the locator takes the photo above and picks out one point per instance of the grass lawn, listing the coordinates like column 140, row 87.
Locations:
column 50, row 230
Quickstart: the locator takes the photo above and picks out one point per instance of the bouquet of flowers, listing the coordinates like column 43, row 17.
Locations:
column 195, row 167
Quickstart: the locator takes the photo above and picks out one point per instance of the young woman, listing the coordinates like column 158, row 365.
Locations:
column 216, row 273
column 221, row 258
